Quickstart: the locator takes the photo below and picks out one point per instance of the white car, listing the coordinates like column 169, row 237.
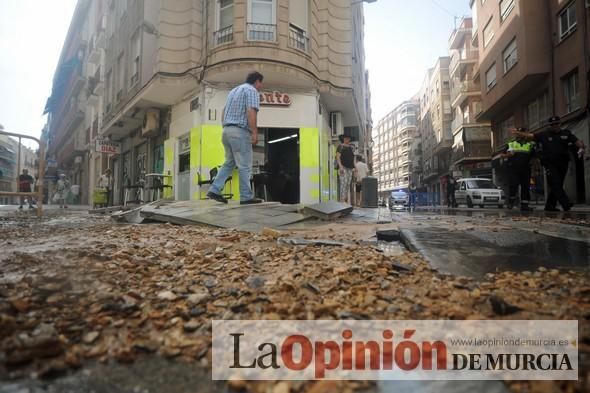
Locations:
column 478, row 191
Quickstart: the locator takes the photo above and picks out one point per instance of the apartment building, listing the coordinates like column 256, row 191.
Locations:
column 471, row 155
column 13, row 159
column 435, row 129
column 533, row 65
column 158, row 74
column 397, row 148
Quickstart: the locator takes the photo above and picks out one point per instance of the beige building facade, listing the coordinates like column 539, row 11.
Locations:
column 471, row 138
column 397, row 149
column 158, row 74
column 435, row 129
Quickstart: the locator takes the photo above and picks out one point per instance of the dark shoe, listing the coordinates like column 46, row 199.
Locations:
column 251, row 201
column 552, row 209
column 216, row 197
column 568, row 207
column 20, row 208
column 31, row 207
column 526, row 208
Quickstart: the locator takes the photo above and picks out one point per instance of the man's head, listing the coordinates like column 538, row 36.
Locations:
column 108, row 172
column 25, row 171
column 255, row 78
column 519, row 137
column 555, row 123
column 359, row 158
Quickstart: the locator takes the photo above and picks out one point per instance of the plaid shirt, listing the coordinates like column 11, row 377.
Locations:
column 239, row 100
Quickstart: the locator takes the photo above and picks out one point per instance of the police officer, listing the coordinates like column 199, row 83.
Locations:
column 518, row 157
column 555, row 144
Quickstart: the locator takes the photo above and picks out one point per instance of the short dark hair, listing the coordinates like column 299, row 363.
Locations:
column 253, row 77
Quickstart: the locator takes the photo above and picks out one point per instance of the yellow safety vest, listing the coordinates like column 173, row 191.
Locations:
column 516, row 147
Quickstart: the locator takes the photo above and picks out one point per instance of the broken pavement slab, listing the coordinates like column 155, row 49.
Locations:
column 330, row 210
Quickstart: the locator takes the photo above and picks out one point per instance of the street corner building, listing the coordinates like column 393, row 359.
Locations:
column 141, row 85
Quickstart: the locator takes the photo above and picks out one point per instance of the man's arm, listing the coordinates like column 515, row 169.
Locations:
column 526, row 135
column 340, row 167
column 252, row 121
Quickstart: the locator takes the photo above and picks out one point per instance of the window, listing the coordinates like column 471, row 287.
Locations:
column 510, row 56
column 298, row 24
column 506, row 6
column 571, row 92
column 567, row 20
column 261, row 20
column 120, row 77
column 135, row 53
column 225, row 22
column 488, row 33
column 537, row 112
column 491, row 77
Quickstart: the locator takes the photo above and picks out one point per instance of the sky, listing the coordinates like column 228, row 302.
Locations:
column 32, row 33
column 402, row 40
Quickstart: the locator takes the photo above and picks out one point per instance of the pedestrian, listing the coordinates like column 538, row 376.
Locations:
column 555, row 144
column 25, row 183
column 240, row 133
column 105, row 186
column 518, row 162
column 63, row 190
column 451, row 187
column 413, row 199
column 361, row 170
column 345, row 158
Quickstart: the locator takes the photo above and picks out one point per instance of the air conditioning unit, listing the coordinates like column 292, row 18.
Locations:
column 151, row 122
column 336, row 124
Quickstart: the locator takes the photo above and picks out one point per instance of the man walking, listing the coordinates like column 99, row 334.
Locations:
column 240, row 133
column 25, row 183
column 518, row 160
column 451, row 186
column 555, row 146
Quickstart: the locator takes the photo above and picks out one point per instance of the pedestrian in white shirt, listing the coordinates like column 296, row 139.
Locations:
column 361, row 170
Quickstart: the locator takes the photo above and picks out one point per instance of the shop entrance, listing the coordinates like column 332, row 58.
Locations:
column 281, row 165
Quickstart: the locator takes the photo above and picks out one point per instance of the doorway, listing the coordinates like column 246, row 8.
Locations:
column 282, row 164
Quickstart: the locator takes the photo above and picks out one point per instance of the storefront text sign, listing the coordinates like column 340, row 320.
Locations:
column 275, row 98
column 108, row 147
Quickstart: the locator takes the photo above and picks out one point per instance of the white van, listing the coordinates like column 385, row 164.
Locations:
column 478, row 191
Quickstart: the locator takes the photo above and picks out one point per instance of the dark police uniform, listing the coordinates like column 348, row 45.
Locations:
column 555, row 156
column 519, row 172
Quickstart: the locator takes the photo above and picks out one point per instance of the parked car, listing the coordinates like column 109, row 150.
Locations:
column 479, row 191
column 398, row 200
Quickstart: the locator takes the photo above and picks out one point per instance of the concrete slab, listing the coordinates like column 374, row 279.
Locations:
column 233, row 215
column 478, row 252
column 330, row 210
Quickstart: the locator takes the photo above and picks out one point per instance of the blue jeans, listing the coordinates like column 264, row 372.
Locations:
column 238, row 153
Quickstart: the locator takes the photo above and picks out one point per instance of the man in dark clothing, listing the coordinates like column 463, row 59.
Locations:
column 518, row 156
column 555, row 144
column 25, row 182
column 451, row 186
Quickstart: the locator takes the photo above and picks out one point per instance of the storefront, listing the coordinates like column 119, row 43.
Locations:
column 292, row 162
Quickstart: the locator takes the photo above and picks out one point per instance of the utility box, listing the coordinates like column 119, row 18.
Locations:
column 369, row 192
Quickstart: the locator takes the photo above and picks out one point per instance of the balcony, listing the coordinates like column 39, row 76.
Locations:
column 458, row 37
column 93, row 52
column 224, row 36
column 463, row 90
column 261, row 32
column 472, row 151
column 72, row 119
column 462, row 59
column 101, row 38
column 298, row 38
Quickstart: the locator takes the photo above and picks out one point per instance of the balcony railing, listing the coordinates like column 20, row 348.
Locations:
column 261, row 32
column 298, row 38
column 465, row 56
column 464, row 87
column 224, row 36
